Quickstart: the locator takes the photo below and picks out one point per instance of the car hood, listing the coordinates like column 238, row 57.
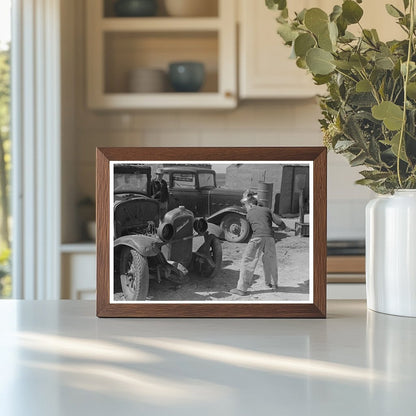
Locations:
column 118, row 198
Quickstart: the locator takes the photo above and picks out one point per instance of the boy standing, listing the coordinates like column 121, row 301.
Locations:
column 261, row 242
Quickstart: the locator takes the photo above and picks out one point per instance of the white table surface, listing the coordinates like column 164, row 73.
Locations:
column 57, row 358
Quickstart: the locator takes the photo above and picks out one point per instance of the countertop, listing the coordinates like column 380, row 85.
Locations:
column 57, row 358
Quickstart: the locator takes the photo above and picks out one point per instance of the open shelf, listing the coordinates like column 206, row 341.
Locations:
column 127, row 51
column 116, row 46
column 210, row 7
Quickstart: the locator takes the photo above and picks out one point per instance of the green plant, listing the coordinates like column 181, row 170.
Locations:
column 369, row 113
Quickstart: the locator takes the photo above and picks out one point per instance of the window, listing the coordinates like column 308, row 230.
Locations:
column 130, row 182
column 183, row 180
column 206, row 180
column 5, row 159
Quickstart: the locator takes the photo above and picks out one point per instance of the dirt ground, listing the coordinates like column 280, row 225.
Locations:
column 293, row 268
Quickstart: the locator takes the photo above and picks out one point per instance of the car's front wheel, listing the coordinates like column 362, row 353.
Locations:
column 134, row 274
column 236, row 228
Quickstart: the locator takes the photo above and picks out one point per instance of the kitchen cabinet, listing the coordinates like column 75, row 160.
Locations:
column 118, row 45
column 265, row 70
column 78, row 263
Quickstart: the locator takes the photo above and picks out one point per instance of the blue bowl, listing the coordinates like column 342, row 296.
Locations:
column 135, row 8
column 186, row 76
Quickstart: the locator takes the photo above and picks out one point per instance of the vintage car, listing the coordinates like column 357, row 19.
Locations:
column 146, row 247
column 196, row 189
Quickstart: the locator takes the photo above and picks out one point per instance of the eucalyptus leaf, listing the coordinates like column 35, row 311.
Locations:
column 320, row 61
column 394, row 145
column 321, row 79
column 363, row 86
column 358, row 61
column 365, row 182
column 281, row 19
column 316, row 20
column 388, row 112
column 358, row 160
column 384, row 62
column 345, row 65
column 393, row 11
column 377, row 75
column 301, row 15
column 276, row 4
column 343, row 145
column 405, row 21
column 374, row 174
column 342, row 25
column 287, row 33
column 412, row 67
column 336, row 12
column 351, row 11
column 347, row 37
column 406, row 4
column 303, row 43
column 382, row 89
column 301, row 63
column 374, row 151
column 375, row 35
column 369, row 36
column 333, row 32
column 325, row 42
column 411, row 90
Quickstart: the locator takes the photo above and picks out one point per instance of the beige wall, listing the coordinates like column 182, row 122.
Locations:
column 253, row 123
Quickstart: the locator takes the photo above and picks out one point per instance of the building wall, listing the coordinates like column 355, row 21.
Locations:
column 244, row 176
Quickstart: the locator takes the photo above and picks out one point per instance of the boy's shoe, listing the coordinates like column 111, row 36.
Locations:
column 274, row 287
column 238, row 292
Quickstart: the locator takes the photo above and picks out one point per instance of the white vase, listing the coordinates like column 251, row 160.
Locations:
column 391, row 253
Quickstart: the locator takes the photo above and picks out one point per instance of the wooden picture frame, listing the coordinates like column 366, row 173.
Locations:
column 314, row 157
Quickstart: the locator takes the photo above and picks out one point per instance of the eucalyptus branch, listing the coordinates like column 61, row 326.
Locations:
column 373, row 88
column 346, row 75
column 392, row 91
column 406, row 79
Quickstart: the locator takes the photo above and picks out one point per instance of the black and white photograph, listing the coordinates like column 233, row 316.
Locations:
column 211, row 231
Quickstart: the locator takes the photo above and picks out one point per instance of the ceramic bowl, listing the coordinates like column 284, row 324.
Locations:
column 147, row 80
column 135, row 8
column 186, row 76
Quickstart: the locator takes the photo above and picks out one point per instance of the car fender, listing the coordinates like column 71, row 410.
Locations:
column 215, row 230
column 144, row 245
column 219, row 215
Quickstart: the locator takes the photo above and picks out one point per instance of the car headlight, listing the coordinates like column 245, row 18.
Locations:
column 165, row 232
column 200, row 225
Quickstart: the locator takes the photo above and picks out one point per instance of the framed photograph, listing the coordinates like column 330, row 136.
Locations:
column 211, row 232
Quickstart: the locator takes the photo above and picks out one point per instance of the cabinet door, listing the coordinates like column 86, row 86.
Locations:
column 265, row 68
column 376, row 17
column 266, row 71
column 78, row 276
